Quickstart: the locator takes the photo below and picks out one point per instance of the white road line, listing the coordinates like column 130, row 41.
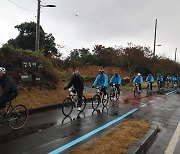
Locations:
column 151, row 101
column 174, row 140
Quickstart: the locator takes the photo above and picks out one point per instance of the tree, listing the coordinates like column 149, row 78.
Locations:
column 131, row 58
column 27, row 36
column 49, row 44
column 86, row 57
column 105, row 56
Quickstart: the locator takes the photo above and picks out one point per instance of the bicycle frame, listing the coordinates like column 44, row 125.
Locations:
column 100, row 93
column 137, row 86
column 71, row 102
column 115, row 91
column 149, row 85
column 136, row 89
column 73, row 96
column 99, row 99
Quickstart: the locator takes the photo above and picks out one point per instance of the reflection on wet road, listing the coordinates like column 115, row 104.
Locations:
column 157, row 108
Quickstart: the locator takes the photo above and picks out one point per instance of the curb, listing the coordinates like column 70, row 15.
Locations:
column 143, row 145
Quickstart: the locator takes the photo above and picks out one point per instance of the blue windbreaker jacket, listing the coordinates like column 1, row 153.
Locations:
column 101, row 80
column 116, row 80
column 150, row 78
column 138, row 79
column 160, row 78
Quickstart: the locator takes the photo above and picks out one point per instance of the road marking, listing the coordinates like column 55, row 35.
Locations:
column 70, row 144
column 174, row 140
column 171, row 92
column 151, row 101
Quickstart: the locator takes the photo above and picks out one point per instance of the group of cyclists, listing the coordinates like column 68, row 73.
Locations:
column 10, row 91
column 102, row 81
column 160, row 80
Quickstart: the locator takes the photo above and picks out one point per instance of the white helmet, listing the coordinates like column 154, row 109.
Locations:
column 138, row 74
column 2, row 70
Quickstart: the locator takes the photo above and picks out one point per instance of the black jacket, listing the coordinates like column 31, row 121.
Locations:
column 8, row 87
column 76, row 81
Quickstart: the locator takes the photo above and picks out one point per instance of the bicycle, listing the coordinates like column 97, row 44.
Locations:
column 16, row 116
column 159, row 86
column 99, row 98
column 71, row 102
column 114, row 92
column 136, row 90
column 148, row 90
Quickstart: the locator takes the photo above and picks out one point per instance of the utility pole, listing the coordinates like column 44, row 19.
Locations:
column 155, row 38
column 38, row 24
column 38, row 27
column 175, row 54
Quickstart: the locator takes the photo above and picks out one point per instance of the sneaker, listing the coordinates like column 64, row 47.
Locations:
column 79, row 108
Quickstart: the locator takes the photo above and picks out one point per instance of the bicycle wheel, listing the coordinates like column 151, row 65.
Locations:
column 96, row 101
column 67, row 106
column 112, row 93
column 17, row 116
column 135, row 92
column 84, row 101
column 105, row 100
column 117, row 95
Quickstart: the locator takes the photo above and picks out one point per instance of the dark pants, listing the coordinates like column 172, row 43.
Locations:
column 10, row 97
column 103, row 89
column 161, row 83
column 150, row 85
column 139, row 86
column 117, row 86
column 79, row 95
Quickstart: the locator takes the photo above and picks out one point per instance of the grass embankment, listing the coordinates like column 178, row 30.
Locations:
column 118, row 140
column 36, row 97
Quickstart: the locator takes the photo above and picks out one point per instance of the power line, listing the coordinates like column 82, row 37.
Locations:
column 19, row 6
column 92, row 21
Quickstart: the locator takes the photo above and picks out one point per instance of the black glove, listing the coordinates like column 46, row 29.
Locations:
column 65, row 88
column 93, row 86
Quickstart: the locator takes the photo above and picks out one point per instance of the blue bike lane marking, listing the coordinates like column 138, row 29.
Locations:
column 70, row 144
column 171, row 92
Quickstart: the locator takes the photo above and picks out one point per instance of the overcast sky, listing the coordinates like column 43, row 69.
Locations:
column 85, row 23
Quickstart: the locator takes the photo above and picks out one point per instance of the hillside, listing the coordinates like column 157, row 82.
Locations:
column 39, row 81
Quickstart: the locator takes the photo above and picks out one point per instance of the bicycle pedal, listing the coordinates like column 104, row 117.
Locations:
column 78, row 117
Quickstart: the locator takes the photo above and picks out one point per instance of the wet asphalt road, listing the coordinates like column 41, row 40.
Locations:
column 49, row 130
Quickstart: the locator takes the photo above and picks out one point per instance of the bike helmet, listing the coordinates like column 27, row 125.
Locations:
column 138, row 74
column 75, row 72
column 116, row 73
column 2, row 70
column 101, row 71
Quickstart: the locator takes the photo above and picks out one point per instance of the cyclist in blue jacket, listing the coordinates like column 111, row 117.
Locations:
column 138, row 79
column 102, row 81
column 178, row 79
column 173, row 79
column 116, row 79
column 150, row 79
column 160, row 79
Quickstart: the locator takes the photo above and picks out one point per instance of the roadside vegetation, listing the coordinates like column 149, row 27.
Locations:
column 118, row 140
